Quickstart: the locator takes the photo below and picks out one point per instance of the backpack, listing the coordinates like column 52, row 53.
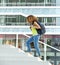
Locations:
column 42, row 30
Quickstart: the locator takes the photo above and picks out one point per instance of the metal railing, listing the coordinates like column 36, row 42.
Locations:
column 45, row 47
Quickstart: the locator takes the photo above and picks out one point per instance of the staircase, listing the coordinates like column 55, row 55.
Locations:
column 10, row 55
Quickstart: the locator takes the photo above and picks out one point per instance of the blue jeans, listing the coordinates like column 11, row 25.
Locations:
column 35, row 40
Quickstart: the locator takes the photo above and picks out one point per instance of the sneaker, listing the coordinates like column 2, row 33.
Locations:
column 39, row 59
column 29, row 54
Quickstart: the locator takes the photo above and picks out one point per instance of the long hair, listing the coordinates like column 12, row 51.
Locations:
column 31, row 18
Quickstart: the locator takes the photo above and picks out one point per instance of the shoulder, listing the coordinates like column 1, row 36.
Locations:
column 35, row 22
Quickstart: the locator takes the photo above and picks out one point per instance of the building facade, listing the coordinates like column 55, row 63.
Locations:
column 30, row 2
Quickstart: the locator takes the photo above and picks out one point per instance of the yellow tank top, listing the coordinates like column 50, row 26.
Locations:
column 34, row 31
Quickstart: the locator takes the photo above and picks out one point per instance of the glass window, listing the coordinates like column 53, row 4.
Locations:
column 41, row 1
column 22, row 20
column 22, row 0
column 15, row 20
column 0, row 1
column 13, row 0
column 48, row 0
column 19, row 43
column 41, row 19
column 51, row 2
column 10, row 20
column 32, row 1
column 9, row 39
column 49, row 19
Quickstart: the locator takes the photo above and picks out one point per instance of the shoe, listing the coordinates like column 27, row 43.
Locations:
column 39, row 59
column 29, row 54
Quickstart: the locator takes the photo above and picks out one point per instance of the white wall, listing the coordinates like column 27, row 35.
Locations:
column 58, row 21
column 58, row 2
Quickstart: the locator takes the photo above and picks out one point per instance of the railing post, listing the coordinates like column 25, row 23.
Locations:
column 45, row 53
column 45, row 49
column 23, row 44
column 17, row 40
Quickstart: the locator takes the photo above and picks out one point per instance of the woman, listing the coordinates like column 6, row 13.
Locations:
column 34, row 26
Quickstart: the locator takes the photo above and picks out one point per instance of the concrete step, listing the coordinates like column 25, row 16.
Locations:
column 9, row 55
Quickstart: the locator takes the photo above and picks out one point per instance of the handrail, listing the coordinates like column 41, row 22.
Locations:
column 44, row 43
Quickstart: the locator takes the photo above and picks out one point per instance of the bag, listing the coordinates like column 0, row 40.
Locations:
column 42, row 30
